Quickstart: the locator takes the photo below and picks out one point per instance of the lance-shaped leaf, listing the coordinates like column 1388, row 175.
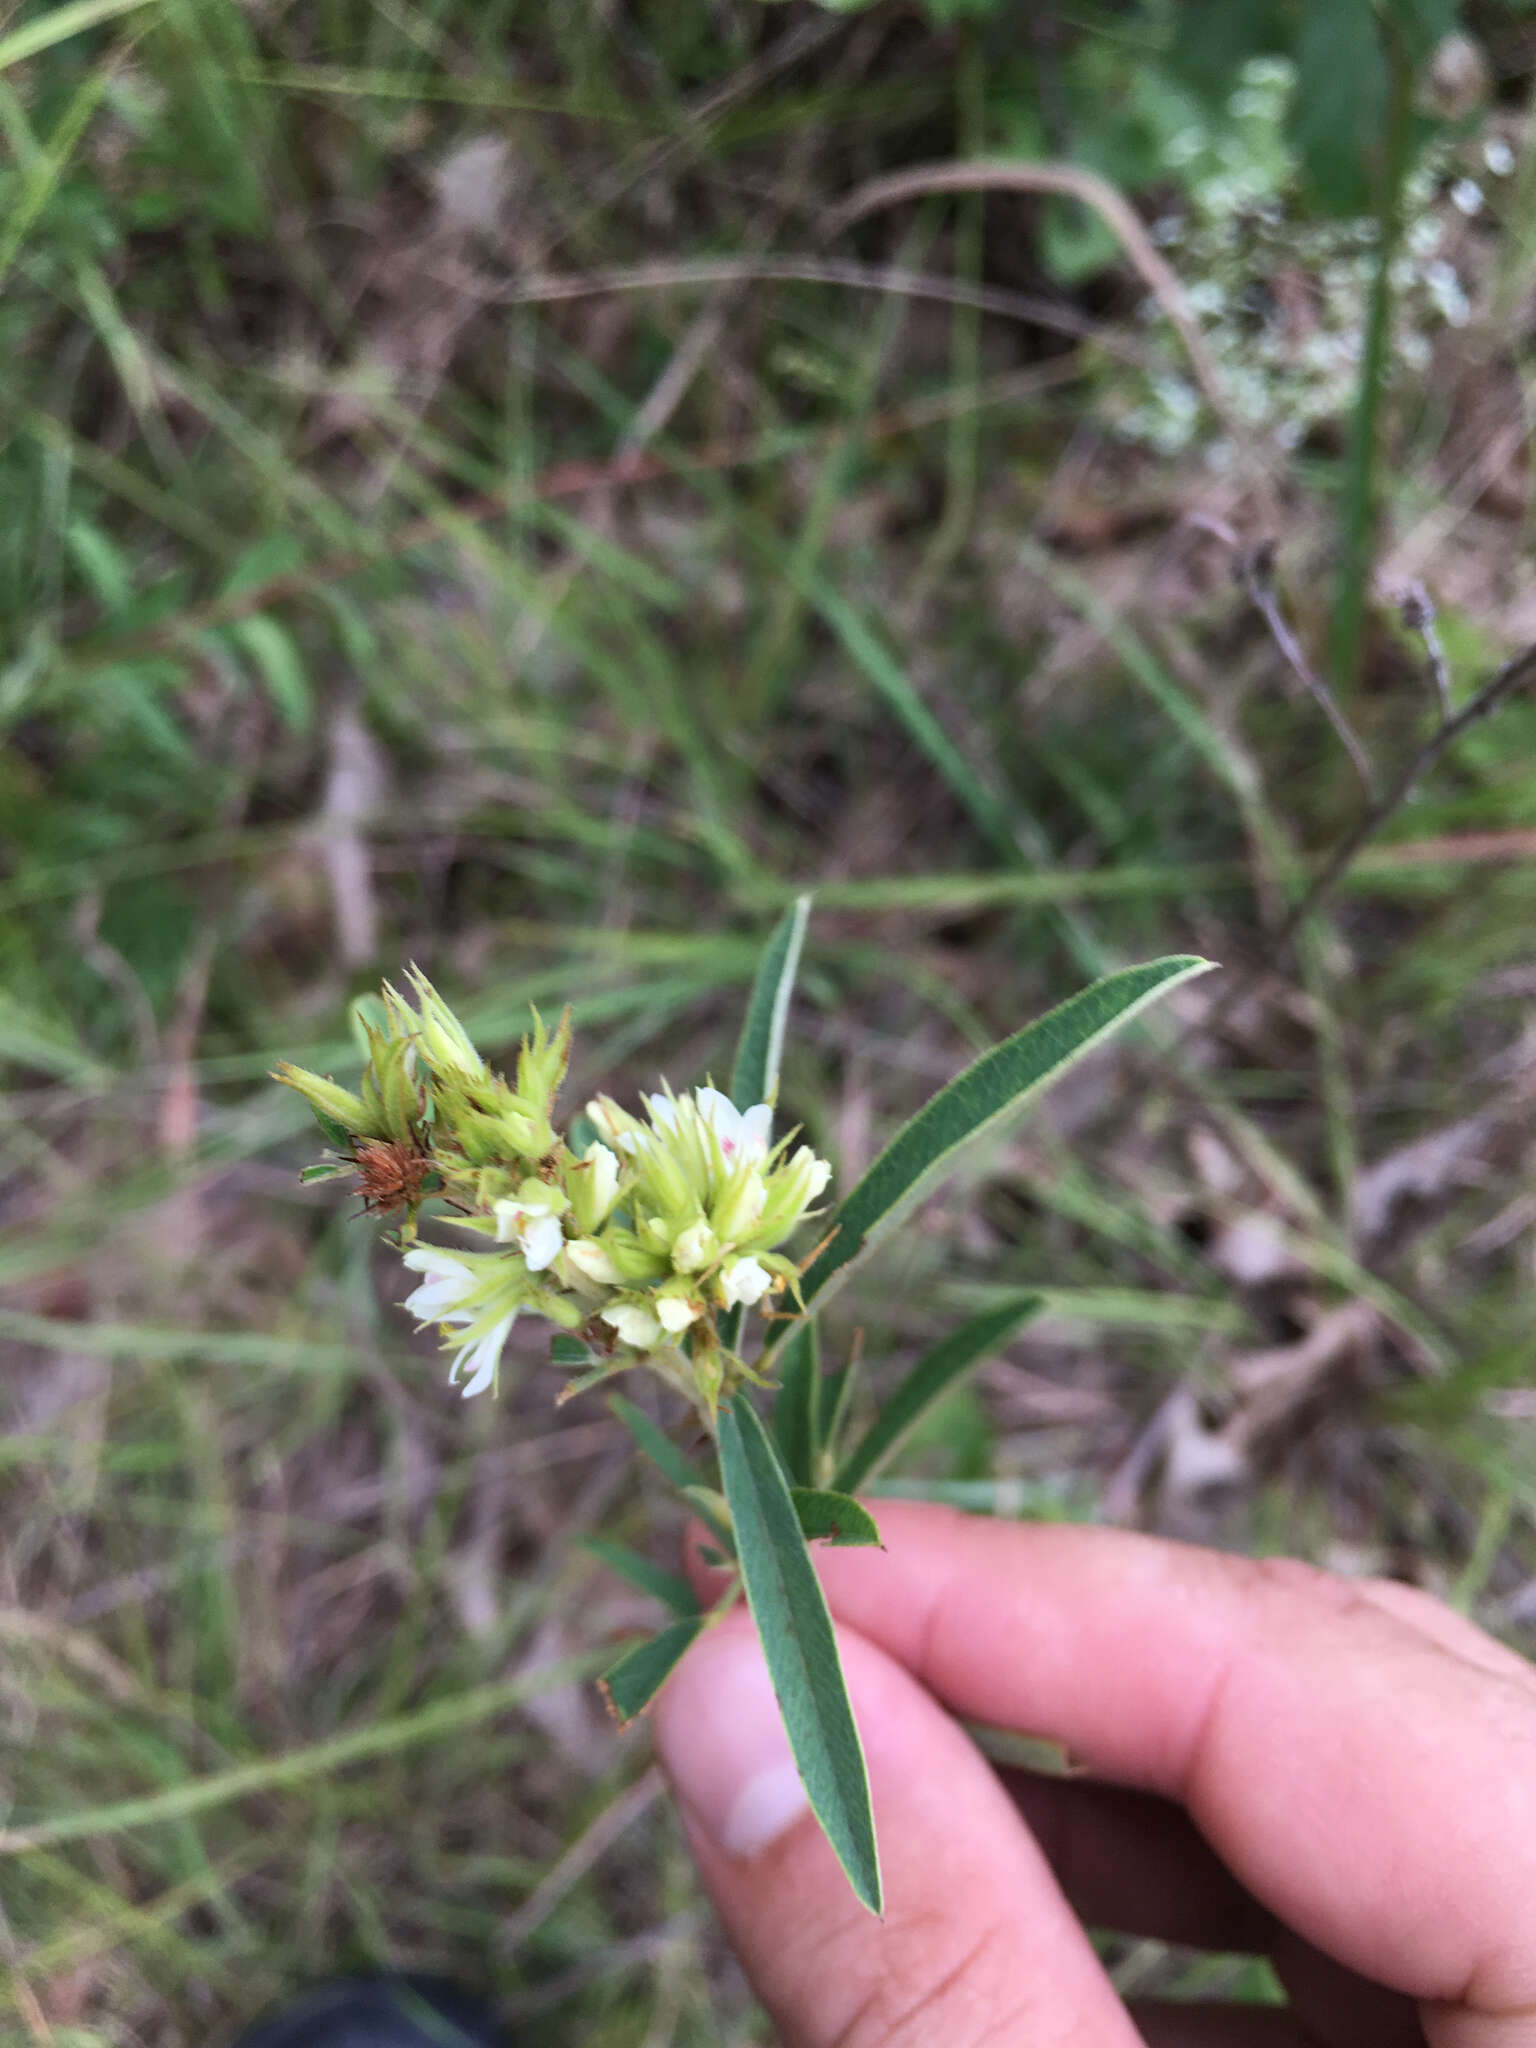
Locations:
column 755, row 1075
column 630, row 1685
column 795, row 1628
column 990, row 1091
column 936, row 1374
column 833, row 1518
column 795, row 1416
column 670, row 1588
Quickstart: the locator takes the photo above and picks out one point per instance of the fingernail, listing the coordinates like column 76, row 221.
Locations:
column 723, row 1745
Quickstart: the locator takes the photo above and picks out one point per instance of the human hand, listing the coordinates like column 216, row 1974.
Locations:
column 1340, row 1774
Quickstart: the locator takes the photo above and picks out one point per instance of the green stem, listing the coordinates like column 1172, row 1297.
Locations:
column 1358, row 506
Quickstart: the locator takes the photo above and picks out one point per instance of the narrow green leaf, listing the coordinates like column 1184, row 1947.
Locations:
column 990, row 1091
column 630, row 1685
column 936, row 1374
column 790, row 1611
column 604, row 1369
column 310, row 1174
column 656, row 1444
column 1338, row 110
column 333, row 1132
column 566, row 1350
column 58, row 25
column 755, row 1075
column 670, row 1588
column 794, row 1404
column 834, row 1392
column 276, row 654
column 835, row 1517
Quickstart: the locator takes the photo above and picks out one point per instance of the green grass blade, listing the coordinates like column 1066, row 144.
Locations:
column 58, row 25
column 794, row 1403
column 833, row 1518
column 755, row 1076
column 993, row 1088
column 630, row 1685
column 670, row 1588
column 936, row 1374
column 438, row 1718
column 790, row 1611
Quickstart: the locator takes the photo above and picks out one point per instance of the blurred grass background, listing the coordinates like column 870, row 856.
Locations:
column 467, row 502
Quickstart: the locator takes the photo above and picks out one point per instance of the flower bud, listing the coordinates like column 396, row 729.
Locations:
column 739, row 1204
column 744, row 1281
column 445, row 1045
column 675, row 1312
column 593, row 1262
column 593, row 1187
column 694, row 1248
column 791, row 1191
column 634, row 1325
column 636, row 1261
column 341, row 1114
column 542, row 1061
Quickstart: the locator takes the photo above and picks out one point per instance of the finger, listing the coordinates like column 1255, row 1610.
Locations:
column 977, row 1943
column 1374, row 1789
column 1443, row 1625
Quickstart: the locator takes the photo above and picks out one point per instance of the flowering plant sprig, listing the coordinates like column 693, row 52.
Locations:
column 641, row 1244
column 650, row 1246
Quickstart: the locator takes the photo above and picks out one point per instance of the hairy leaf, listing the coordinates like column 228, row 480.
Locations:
column 790, row 1611
column 990, row 1091
column 755, row 1075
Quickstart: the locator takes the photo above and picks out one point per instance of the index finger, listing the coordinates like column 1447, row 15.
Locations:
column 1370, row 1783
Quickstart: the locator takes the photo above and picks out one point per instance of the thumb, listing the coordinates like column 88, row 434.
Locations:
column 977, row 1943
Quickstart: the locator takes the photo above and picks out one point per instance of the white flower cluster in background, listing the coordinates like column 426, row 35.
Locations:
column 1282, row 297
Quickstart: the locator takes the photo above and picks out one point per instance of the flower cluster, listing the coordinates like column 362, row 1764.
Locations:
column 647, row 1245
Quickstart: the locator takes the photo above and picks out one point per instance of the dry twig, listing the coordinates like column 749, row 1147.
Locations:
column 1256, row 570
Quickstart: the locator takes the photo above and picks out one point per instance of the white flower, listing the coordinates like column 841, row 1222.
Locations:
column 675, row 1314
column 694, row 1248
column 535, row 1231
column 743, row 1134
column 744, row 1280
column 481, row 1357
column 635, row 1325
column 592, row 1261
column 603, row 1191
column 448, row 1281
column 663, row 1112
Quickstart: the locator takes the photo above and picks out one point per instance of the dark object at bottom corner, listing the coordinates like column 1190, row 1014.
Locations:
column 379, row 2012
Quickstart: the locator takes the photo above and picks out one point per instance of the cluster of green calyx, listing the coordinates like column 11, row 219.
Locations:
column 648, row 1245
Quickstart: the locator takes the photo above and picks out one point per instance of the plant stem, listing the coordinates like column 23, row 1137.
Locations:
column 1358, row 507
